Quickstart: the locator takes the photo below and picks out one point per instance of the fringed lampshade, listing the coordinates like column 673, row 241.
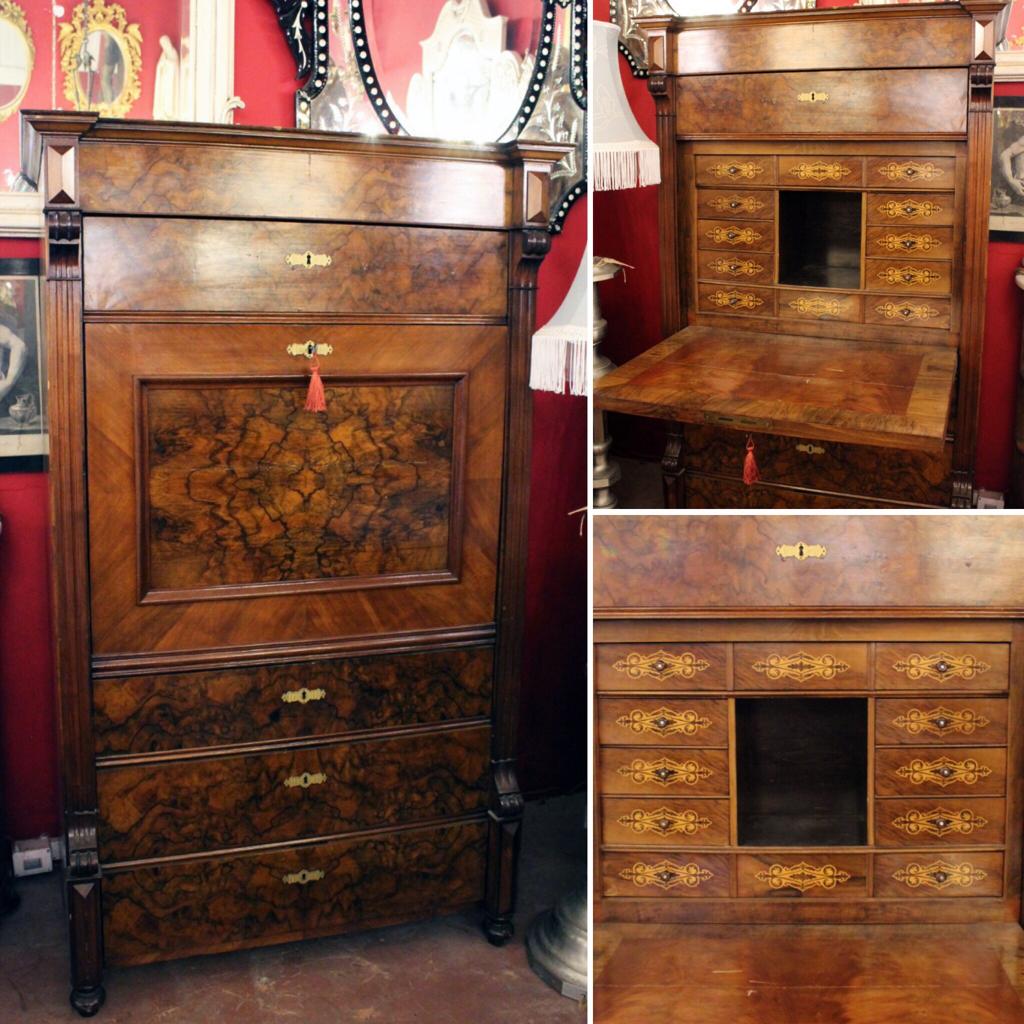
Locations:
column 561, row 348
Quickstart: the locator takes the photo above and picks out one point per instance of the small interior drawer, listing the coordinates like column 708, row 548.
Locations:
column 663, row 771
column 918, row 172
column 733, row 236
column 833, row 171
column 672, row 821
column 907, row 276
column 801, row 666
column 657, row 875
column 666, row 722
column 667, row 667
column 735, row 204
column 913, row 310
column 921, row 243
column 735, row 267
column 736, row 299
column 942, row 666
column 940, row 821
column 920, row 720
column 935, row 875
column 820, row 305
column 935, row 771
column 736, row 170
column 796, row 875
column 911, row 209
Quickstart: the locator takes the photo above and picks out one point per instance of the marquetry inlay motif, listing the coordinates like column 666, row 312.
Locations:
column 665, row 822
column 908, row 242
column 800, row 666
column 736, row 300
column 305, row 780
column 748, row 170
column 939, row 822
column 736, row 204
column 943, row 771
column 303, row 877
column 912, row 277
column 801, row 551
column 735, row 235
column 661, row 665
column 820, row 170
column 803, row 876
column 666, row 772
column 664, row 722
column 910, row 170
column 735, row 267
column 940, row 721
column 939, row 875
column 666, row 874
column 303, row 696
column 941, row 666
column 906, row 311
column 911, row 209
column 817, row 307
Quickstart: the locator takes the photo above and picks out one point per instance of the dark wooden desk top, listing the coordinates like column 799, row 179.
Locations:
column 892, row 396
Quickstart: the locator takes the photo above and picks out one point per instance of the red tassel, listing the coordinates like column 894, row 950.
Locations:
column 315, row 400
column 751, row 474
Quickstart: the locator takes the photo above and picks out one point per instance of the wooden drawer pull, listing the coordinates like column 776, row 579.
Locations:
column 307, row 259
column 303, row 877
column 810, row 449
column 305, row 780
column 303, row 696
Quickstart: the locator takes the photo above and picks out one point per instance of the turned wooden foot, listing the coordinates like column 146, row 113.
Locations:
column 672, row 469
column 87, row 1001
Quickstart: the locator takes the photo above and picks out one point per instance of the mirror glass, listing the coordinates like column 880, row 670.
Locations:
column 15, row 64
column 101, row 72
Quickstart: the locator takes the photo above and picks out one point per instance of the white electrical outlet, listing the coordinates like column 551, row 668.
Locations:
column 990, row 499
column 32, row 856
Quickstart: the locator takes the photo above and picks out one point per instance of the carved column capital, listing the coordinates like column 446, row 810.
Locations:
column 83, row 859
column 64, row 245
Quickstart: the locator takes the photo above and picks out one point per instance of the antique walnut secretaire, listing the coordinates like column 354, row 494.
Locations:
column 808, row 718
column 824, row 231
column 288, row 640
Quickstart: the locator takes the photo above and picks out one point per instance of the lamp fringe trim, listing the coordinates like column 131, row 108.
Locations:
column 625, row 165
column 561, row 357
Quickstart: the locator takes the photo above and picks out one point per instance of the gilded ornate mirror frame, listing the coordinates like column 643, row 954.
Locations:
column 15, row 16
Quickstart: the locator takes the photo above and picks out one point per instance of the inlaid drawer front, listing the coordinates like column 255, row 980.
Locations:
column 735, row 204
column 208, row 804
column 911, row 209
column 899, row 875
column 910, row 771
column 797, row 666
column 672, row 821
column 918, row 720
column 660, row 666
column 735, row 268
column 736, row 170
column 664, row 771
column 818, row 305
column 648, row 875
column 684, row 723
column 917, row 172
column 912, row 310
column 818, row 171
column 254, row 266
column 941, row 666
column 796, row 875
column 911, row 277
column 736, row 299
column 921, row 243
column 209, row 905
column 730, row 236
column 940, row 821
column 266, row 702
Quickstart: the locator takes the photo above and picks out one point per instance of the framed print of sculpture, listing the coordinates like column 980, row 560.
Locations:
column 23, row 417
column 1007, row 212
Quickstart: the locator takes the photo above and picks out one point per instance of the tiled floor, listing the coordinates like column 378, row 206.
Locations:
column 438, row 972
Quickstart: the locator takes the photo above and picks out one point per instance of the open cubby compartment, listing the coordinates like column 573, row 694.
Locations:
column 802, row 771
column 820, row 236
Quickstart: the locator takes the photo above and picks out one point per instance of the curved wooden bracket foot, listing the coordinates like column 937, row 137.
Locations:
column 87, row 1001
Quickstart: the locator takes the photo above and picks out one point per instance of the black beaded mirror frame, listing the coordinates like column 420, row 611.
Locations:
column 552, row 109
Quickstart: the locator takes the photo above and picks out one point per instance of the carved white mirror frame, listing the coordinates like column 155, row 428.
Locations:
column 205, row 92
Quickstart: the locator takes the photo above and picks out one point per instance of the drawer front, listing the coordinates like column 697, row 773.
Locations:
column 253, row 266
column 714, row 492
column 969, row 771
column 736, row 299
column 674, row 821
column 942, row 666
column 659, row 667
column 908, row 309
column 207, row 906
column 668, row 723
column 929, row 243
column 647, row 875
column 818, row 305
column 910, row 277
column 799, row 875
column 735, row 268
column 930, row 876
column 736, row 204
column 829, row 465
column 799, row 666
column 731, row 236
column 825, row 103
column 920, row 720
column 821, row 171
column 940, row 822
column 208, row 804
column 664, row 771
column 916, row 172
column 736, row 170
column 910, row 209
column 272, row 702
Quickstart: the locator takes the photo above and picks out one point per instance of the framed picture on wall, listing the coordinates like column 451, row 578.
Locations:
column 24, row 436
column 1006, row 215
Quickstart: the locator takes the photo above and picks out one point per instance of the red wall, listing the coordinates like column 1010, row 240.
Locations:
column 626, row 228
